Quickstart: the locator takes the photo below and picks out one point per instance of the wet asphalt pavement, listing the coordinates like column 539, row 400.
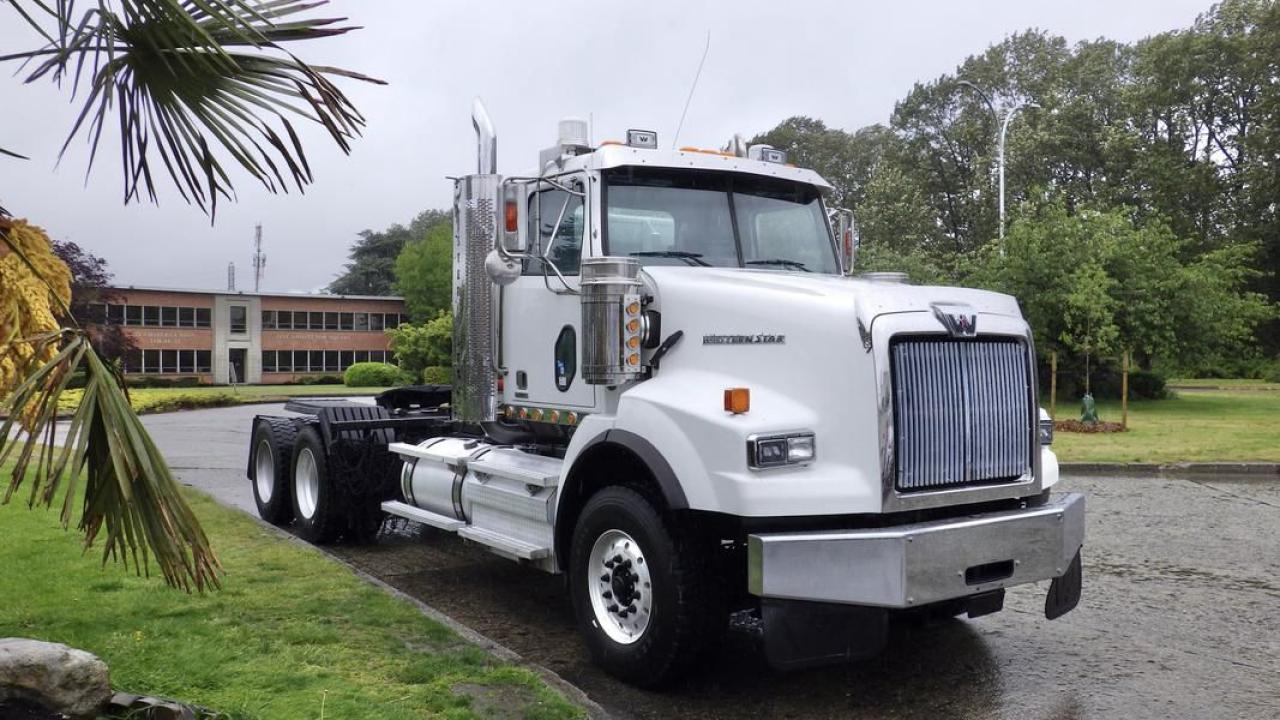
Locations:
column 1180, row 616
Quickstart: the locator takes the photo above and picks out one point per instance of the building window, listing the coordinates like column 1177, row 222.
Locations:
column 330, row 360
column 150, row 315
column 284, row 319
column 346, row 321
column 204, row 361
column 133, row 361
column 361, row 322
column 268, row 319
column 375, row 321
column 316, row 320
column 168, row 361
column 239, row 318
column 133, row 315
column 204, row 317
column 362, row 356
column 186, row 317
column 186, row 361
column 150, row 361
column 316, row 361
column 268, row 361
column 345, row 361
column 331, row 321
column 115, row 314
column 169, row 316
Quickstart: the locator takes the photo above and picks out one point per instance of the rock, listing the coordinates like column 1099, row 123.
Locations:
column 63, row 679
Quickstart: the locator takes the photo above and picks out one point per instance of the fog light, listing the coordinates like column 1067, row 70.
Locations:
column 1046, row 432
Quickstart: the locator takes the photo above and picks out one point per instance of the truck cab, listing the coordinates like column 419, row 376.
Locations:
column 672, row 387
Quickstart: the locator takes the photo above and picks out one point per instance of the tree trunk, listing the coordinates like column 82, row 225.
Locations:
column 1124, row 391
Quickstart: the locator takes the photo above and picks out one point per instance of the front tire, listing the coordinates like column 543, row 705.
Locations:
column 315, row 502
column 643, row 591
column 272, row 449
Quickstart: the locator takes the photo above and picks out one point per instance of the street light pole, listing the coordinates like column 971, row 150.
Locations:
column 1004, row 132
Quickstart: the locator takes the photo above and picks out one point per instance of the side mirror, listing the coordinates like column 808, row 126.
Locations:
column 512, row 238
column 846, row 231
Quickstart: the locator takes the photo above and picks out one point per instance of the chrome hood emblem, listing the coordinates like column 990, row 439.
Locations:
column 959, row 320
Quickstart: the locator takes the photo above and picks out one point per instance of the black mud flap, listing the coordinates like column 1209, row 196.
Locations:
column 1064, row 591
column 801, row 634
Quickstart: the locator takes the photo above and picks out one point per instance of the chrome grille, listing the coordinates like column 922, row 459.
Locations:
column 962, row 411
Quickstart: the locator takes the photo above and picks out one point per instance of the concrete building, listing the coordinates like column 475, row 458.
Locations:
column 253, row 338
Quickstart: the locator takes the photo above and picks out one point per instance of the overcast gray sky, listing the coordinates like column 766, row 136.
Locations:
column 625, row 64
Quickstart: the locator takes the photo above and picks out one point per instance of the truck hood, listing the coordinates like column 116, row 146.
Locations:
column 786, row 293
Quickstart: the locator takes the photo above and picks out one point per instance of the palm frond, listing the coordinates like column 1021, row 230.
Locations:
column 129, row 496
column 204, row 85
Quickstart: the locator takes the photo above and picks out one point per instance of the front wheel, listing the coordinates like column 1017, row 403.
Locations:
column 642, row 590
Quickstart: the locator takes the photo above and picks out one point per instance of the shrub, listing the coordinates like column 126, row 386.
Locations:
column 420, row 346
column 372, row 374
column 437, row 375
column 1273, row 375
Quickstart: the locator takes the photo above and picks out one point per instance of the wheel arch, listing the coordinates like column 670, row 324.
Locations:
column 614, row 457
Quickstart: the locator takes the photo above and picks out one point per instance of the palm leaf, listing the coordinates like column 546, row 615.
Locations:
column 129, row 493
column 204, row 85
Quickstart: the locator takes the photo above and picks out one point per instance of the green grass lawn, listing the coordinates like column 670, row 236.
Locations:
column 292, row 634
column 151, row 400
column 1238, row 425
column 1223, row 384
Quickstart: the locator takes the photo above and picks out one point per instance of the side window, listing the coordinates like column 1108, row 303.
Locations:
column 566, row 246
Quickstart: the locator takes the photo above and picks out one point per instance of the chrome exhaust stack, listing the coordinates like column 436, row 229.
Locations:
column 477, row 203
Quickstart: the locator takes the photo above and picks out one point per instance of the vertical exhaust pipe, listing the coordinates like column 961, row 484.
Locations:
column 486, row 139
column 476, row 209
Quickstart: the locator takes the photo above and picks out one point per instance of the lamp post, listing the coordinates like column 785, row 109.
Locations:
column 1004, row 132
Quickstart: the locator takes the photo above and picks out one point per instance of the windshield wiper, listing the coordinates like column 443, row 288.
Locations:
column 692, row 258
column 781, row 261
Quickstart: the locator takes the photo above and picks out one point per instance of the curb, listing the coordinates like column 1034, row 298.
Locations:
column 572, row 692
column 1246, row 469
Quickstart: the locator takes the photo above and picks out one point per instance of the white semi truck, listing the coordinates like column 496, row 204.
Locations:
column 671, row 388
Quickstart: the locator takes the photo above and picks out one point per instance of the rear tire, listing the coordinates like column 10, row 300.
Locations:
column 664, row 575
column 271, row 469
column 315, row 502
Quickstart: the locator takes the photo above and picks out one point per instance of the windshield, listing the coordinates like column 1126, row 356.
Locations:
column 667, row 217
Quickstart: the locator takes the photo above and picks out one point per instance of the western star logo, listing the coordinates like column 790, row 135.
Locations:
column 761, row 339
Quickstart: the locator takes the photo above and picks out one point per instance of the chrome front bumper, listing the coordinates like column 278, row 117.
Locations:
column 913, row 565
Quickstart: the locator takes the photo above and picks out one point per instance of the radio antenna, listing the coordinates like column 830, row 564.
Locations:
column 676, row 138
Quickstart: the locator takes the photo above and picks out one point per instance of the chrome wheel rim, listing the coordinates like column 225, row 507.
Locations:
column 620, row 587
column 264, row 471
column 306, row 483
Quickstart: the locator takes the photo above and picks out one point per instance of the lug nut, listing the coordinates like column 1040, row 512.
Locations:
column 607, row 595
column 612, row 608
column 617, row 558
column 604, row 577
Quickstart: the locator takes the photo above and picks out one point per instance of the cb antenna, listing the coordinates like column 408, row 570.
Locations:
column 676, row 138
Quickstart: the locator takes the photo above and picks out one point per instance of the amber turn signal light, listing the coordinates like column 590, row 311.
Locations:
column 737, row 400
column 512, row 216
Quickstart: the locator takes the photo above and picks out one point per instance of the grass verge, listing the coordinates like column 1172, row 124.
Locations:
column 291, row 635
column 1194, row 426
column 154, row 400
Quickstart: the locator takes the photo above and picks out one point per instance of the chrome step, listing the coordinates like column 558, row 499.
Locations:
column 426, row 517
column 527, row 468
column 503, row 544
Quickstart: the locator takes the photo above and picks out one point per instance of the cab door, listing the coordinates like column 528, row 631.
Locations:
column 541, row 310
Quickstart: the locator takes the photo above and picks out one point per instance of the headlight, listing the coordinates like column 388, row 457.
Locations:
column 780, row 450
column 1046, row 432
